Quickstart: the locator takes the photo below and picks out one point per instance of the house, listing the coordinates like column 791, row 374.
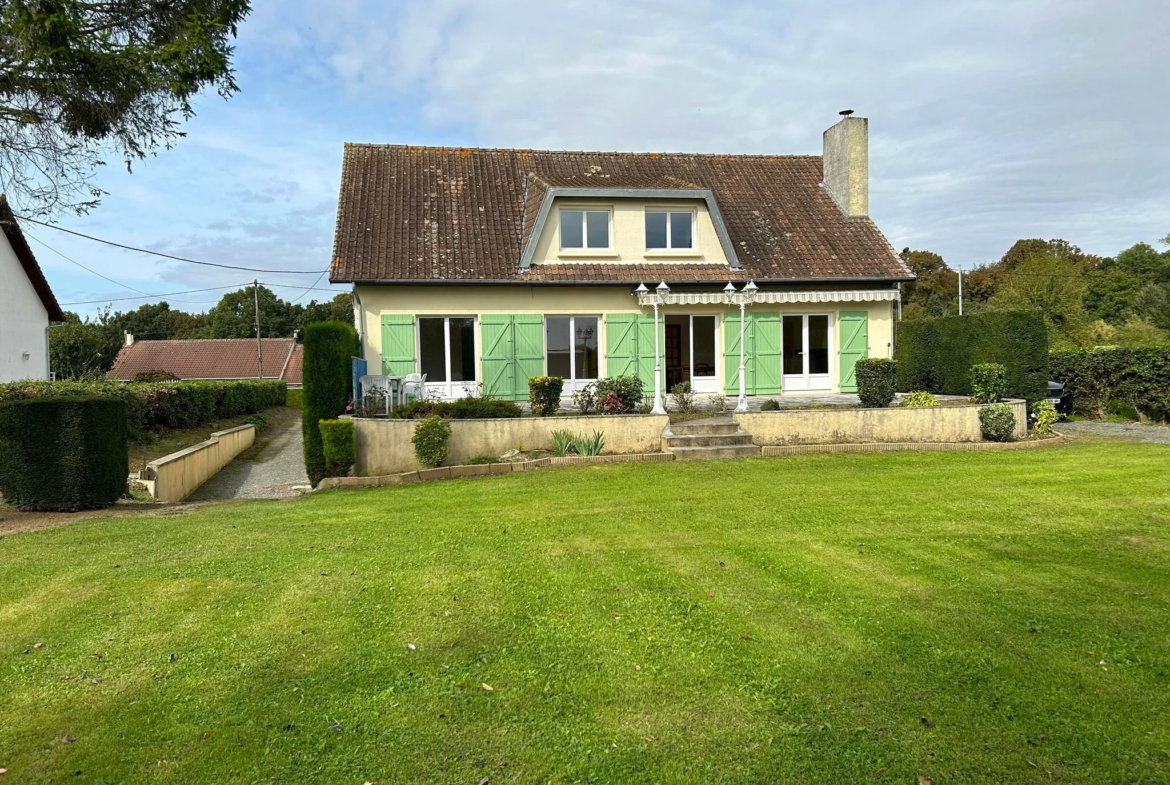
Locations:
column 492, row 266
column 27, row 305
column 210, row 359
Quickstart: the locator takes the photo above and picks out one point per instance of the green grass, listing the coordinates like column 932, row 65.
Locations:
column 768, row 620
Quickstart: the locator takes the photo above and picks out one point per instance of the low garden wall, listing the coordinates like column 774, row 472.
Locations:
column 384, row 446
column 862, row 426
column 176, row 476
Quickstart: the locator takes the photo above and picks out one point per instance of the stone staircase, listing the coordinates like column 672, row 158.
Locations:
column 714, row 437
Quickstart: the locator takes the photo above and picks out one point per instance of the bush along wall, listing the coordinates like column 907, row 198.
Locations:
column 1100, row 379
column 937, row 355
column 876, row 381
column 154, row 407
column 63, row 454
column 338, row 445
column 327, row 382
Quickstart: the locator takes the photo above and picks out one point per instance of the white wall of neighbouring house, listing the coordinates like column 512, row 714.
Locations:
column 24, row 322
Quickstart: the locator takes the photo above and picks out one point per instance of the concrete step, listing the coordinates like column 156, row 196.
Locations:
column 704, row 428
column 712, row 453
column 709, row 440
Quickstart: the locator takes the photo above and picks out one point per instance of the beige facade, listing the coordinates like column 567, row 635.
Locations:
column 374, row 301
column 628, row 234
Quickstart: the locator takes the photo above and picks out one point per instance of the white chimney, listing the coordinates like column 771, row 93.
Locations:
column 846, row 164
column 129, row 338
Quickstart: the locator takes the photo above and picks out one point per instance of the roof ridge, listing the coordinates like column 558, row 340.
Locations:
column 541, row 151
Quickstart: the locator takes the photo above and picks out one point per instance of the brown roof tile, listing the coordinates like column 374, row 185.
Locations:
column 210, row 358
column 458, row 214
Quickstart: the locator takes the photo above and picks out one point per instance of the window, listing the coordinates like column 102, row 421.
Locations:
column 584, row 229
column 447, row 349
column 669, row 230
column 571, row 347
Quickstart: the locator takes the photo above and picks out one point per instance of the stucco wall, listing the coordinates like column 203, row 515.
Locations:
column 628, row 234
column 23, row 322
column 384, row 447
column 860, row 426
column 579, row 301
column 176, row 476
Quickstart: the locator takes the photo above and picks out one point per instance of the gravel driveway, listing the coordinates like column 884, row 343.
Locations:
column 274, row 470
column 1128, row 431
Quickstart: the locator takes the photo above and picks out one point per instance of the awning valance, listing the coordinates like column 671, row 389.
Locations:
column 724, row 298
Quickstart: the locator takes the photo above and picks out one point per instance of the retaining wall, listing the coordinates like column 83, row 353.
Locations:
column 860, row 426
column 176, row 476
column 384, row 446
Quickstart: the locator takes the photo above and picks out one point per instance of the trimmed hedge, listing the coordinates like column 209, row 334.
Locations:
column 1101, row 379
column 337, row 444
column 937, row 354
column 154, row 407
column 431, row 439
column 876, row 379
column 473, row 408
column 296, row 397
column 997, row 421
column 63, row 454
column 327, row 382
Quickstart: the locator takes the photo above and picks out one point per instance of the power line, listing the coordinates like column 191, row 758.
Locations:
column 169, row 256
column 165, row 294
column 307, row 290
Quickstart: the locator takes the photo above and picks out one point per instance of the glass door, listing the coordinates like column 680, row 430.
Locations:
column 702, row 351
column 447, row 356
column 806, row 342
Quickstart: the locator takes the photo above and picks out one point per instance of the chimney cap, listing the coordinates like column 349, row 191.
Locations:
column 845, row 112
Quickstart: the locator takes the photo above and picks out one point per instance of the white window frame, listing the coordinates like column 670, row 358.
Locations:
column 669, row 246
column 703, row 384
column 574, row 383
column 449, row 389
column 585, row 248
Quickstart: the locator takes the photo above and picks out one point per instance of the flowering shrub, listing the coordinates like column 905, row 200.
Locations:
column 612, row 404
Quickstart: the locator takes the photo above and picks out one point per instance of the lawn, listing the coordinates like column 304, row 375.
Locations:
column 980, row 617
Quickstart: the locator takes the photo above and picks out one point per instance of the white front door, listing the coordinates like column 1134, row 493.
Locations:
column 806, row 339
column 702, row 355
column 447, row 356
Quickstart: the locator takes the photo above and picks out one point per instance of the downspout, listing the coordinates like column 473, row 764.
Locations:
column 361, row 323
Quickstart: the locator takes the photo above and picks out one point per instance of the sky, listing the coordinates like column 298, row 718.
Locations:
column 990, row 120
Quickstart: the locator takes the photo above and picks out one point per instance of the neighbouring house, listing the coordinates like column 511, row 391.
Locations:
column 211, row 359
column 27, row 306
column 487, row 267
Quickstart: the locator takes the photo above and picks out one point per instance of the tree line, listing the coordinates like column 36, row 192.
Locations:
column 86, row 348
column 1086, row 300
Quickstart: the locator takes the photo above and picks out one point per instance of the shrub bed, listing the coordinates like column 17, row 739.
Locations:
column 327, row 382
column 63, row 454
column 152, row 407
column 459, row 409
column 1101, row 380
column 431, row 439
column 997, row 422
column 937, row 355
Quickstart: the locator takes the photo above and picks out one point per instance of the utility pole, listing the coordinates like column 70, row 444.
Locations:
column 960, row 291
column 259, row 346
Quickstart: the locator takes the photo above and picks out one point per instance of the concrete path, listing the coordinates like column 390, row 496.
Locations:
column 1128, row 431
column 274, row 469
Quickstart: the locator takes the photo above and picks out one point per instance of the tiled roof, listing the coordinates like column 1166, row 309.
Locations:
column 210, row 358
column 452, row 214
column 20, row 247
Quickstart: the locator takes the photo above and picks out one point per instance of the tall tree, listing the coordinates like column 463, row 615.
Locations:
column 81, row 76
column 1056, row 288
column 84, row 349
column 234, row 316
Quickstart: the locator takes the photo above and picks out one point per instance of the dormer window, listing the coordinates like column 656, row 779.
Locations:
column 584, row 230
column 670, row 230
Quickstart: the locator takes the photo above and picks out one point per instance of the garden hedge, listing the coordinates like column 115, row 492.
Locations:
column 470, row 408
column 1099, row 377
column 937, row 354
column 327, row 382
column 157, row 406
column 337, row 444
column 63, row 454
column 876, row 381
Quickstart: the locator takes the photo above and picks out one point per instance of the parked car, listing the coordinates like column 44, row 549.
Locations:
column 1061, row 398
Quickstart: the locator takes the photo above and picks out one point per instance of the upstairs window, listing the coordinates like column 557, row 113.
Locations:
column 667, row 230
column 584, row 229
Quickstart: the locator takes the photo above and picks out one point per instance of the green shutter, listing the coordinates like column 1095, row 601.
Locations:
column 528, row 343
column 497, row 355
column 765, row 347
column 397, row 344
column 854, row 329
column 621, row 344
column 731, row 352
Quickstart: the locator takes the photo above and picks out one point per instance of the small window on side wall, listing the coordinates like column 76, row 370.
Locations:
column 584, row 229
column 666, row 230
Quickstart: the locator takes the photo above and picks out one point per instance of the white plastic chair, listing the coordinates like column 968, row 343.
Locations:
column 411, row 386
column 378, row 385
